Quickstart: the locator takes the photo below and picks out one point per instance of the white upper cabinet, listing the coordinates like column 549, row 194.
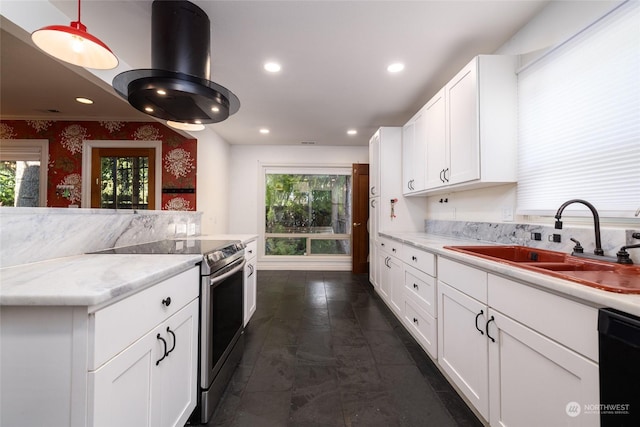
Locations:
column 374, row 165
column 470, row 128
column 414, row 154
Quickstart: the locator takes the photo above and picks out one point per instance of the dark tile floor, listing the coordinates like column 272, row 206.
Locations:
column 323, row 350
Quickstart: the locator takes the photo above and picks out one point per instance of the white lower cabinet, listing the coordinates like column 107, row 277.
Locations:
column 153, row 381
column 250, row 281
column 130, row 363
column 390, row 276
column 513, row 373
column 463, row 346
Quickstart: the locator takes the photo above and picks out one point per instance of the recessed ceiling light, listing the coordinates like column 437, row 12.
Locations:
column 272, row 67
column 396, row 67
column 82, row 100
column 161, row 92
column 148, row 109
column 185, row 126
column 215, row 109
column 264, row 131
column 352, row 132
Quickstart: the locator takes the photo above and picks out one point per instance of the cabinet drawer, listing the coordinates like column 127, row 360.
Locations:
column 468, row 280
column 568, row 322
column 420, row 289
column 423, row 261
column 119, row 325
column 251, row 251
column 390, row 246
column 423, row 327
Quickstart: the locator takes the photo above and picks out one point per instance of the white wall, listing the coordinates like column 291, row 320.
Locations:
column 245, row 168
column 212, row 182
column 552, row 26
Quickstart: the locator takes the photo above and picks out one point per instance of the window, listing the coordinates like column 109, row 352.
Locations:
column 307, row 212
column 122, row 174
column 23, row 173
column 579, row 121
column 122, row 178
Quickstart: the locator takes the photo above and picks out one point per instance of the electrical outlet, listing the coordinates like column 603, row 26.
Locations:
column 556, row 238
column 507, row 214
column 536, row 236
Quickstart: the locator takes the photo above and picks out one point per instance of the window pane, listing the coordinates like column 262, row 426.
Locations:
column 20, row 183
column 331, row 247
column 298, row 203
column 285, row 246
column 125, row 182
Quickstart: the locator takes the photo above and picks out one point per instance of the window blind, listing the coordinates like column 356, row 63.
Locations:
column 579, row 121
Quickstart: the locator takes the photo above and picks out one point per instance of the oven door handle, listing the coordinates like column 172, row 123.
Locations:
column 215, row 280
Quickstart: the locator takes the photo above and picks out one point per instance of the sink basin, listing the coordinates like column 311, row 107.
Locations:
column 595, row 273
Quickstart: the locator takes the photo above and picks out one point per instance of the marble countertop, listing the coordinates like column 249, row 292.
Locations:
column 86, row 280
column 629, row 303
column 94, row 279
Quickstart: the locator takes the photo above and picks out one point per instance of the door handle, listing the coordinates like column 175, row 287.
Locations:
column 478, row 315
column 486, row 328
column 357, row 224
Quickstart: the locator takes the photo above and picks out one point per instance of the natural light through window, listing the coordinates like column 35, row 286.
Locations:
column 308, row 212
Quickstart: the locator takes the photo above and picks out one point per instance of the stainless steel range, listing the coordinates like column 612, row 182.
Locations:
column 221, row 311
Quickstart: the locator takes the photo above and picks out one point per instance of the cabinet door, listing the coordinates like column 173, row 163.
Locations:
column 250, row 290
column 462, row 345
column 396, row 286
column 408, row 141
column 384, row 276
column 179, row 370
column 124, row 391
column 374, row 165
column 533, row 379
column 436, row 152
column 374, row 206
column 462, row 126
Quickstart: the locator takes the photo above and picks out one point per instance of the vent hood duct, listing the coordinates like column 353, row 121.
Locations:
column 178, row 88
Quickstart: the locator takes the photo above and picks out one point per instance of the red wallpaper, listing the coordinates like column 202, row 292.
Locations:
column 65, row 155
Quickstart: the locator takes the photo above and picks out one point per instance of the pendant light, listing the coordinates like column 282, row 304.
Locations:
column 73, row 44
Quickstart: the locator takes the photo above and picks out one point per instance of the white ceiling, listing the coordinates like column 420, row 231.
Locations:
column 334, row 56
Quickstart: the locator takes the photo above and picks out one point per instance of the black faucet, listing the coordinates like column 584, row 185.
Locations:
column 596, row 221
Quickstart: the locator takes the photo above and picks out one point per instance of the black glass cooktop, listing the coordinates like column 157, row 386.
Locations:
column 175, row 246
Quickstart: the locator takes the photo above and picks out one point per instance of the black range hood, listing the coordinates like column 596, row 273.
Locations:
column 178, row 88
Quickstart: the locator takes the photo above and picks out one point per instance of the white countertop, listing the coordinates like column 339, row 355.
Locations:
column 629, row 303
column 86, row 280
column 93, row 279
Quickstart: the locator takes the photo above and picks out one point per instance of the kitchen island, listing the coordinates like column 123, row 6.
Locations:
column 91, row 339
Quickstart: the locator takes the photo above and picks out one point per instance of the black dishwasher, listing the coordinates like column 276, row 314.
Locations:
column 619, row 342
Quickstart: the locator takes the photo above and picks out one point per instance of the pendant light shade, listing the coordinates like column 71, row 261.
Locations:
column 73, row 44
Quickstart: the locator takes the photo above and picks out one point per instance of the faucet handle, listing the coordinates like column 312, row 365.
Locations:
column 635, row 235
column 578, row 249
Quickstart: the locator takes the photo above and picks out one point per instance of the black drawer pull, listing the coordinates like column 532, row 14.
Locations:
column 167, row 301
column 414, row 258
column 478, row 315
column 487, row 328
column 164, row 353
column 415, row 286
column 415, row 320
column 174, row 340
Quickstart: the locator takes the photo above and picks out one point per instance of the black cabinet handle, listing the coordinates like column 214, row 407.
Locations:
column 446, row 178
column 174, row 340
column 164, row 353
column 250, row 270
column 167, row 301
column 393, row 250
column 478, row 315
column 415, row 320
column 487, row 328
column 414, row 258
column 415, row 286
column 441, row 172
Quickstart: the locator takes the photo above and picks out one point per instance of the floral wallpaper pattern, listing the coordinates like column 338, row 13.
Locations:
column 65, row 155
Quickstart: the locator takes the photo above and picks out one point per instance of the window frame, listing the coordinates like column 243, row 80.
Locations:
column 87, row 154
column 18, row 149
column 298, row 169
